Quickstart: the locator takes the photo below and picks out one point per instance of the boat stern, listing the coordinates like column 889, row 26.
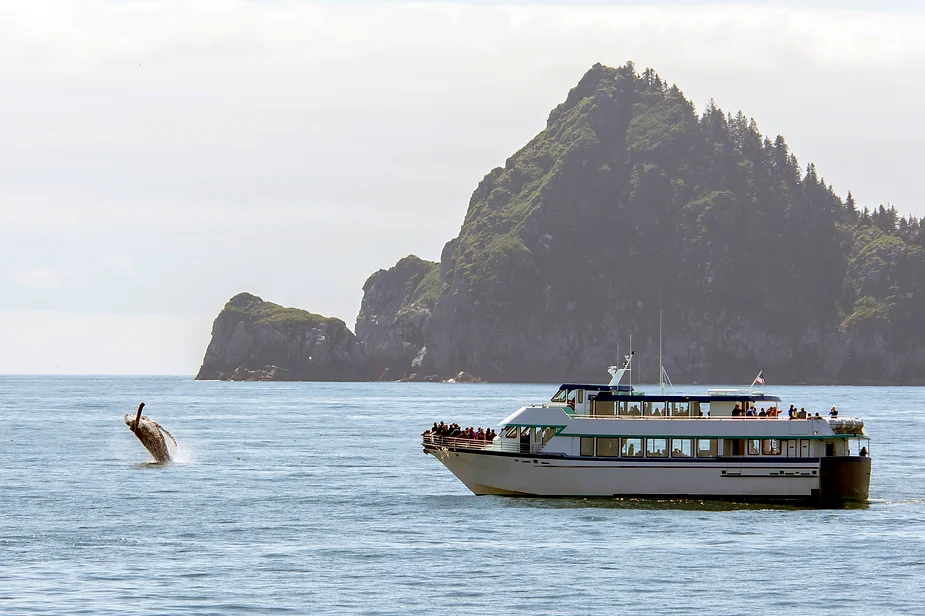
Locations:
column 844, row 479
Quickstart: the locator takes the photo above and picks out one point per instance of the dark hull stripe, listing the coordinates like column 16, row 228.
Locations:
column 561, row 456
column 813, row 500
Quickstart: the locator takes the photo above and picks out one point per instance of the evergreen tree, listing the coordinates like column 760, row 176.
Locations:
column 851, row 208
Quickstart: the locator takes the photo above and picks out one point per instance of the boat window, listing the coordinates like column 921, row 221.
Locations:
column 680, row 409
column 753, row 446
column 624, row 407
column 656, row 409
column 581, row 396
column 634, row 410
column 510, row 432
column 560, row 396
column 587, row 445
column 706, row 447
column 699, row 409
column 603, row 407
column 548, row 433
column 682, row 448
column 734, row 447
column 657, row 448
column 608, row 447
column 770, row 447
column 632, row 448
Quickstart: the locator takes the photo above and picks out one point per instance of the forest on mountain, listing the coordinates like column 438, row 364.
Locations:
column 630, row 205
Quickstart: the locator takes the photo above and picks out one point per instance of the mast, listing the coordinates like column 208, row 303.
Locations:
column 661, row 369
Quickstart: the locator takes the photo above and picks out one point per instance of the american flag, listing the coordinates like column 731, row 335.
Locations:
column 760, row 378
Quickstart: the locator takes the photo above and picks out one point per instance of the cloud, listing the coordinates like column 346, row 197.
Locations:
column 122, row 265
column 101, row 343
column 37, row 278
column 174, row 153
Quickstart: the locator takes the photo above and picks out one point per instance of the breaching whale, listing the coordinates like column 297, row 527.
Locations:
column 151, row 434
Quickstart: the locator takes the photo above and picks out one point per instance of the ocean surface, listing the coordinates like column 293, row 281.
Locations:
column 316, row 498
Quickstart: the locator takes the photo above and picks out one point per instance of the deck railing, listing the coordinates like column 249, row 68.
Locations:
column 507, row 445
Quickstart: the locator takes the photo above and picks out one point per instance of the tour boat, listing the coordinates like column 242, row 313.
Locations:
column 611, row 440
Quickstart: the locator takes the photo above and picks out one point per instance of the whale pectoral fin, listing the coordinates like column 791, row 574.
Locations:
column 164, row 431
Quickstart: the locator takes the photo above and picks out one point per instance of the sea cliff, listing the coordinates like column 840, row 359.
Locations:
column 255, row 340
column 628, row 209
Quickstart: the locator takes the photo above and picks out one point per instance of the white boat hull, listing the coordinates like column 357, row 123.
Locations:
column 785, row 479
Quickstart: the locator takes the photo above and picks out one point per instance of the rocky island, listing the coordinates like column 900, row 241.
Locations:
column 628, row 204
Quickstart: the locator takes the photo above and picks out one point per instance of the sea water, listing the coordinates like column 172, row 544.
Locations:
column 316, row 498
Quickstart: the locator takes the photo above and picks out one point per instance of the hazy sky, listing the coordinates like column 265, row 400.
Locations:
column 159, row 157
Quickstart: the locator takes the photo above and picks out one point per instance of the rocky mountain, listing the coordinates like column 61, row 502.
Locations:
column 396, row 304
column 254, row 340
column 629, row 205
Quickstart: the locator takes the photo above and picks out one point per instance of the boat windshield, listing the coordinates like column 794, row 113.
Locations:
column 560, row 396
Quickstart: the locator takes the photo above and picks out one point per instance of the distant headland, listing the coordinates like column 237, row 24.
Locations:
column 628, row 203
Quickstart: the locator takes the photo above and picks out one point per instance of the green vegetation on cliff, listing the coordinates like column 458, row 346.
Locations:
column 258, row 311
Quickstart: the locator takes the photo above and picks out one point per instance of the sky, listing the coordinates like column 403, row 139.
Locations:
column 157, row 158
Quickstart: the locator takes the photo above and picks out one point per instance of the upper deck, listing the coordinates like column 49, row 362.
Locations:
column 624, row 401
column 723, row 413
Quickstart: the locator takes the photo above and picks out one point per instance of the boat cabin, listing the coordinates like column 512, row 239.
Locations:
column 624, row 401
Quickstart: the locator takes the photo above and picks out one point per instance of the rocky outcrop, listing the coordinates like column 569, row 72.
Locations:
column 255, row 340
column 396, row 304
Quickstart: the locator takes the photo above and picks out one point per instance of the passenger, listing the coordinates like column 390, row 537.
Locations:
column 751, row 411
column 802, row 413
column 833, row 413
column 480, row 435
column 817, row 416
column 793, row 412
column 762, row 414
column 737, row 410
column 525, row 440
column 863, row 452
